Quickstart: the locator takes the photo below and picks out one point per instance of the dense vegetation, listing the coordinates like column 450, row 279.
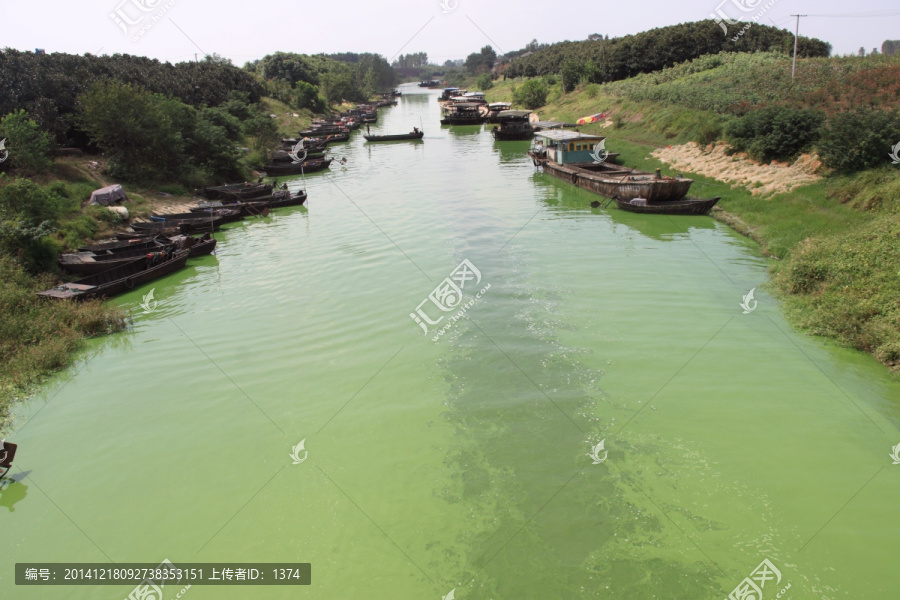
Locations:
column 601, row 61
column 47, row 85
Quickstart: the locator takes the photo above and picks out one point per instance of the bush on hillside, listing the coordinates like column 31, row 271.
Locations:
column 859, row 139
column 28, row 146
column 774, row 133
column 485, row 82
column 531, row 94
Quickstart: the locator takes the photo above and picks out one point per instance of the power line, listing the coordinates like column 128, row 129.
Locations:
column 796, row 39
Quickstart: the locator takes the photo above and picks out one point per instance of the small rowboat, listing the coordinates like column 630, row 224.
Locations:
column 307, row 166
column 88, row 263
column 413, row 135
column 131, row 242
column 241, row 190
column 685, row 206
column 121, row 279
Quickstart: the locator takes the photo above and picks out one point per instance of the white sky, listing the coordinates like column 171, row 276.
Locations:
column 245, row 31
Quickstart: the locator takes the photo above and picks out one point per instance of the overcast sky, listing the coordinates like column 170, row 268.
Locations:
column 245, row 31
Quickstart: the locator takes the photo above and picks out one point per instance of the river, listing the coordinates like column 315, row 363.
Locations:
column 463, row 464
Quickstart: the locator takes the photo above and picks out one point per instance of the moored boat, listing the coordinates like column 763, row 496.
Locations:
column 240, row 190
column 514, row 125
column 685, row 206
column 89, row 263
column 462, row 113
column 415, row 134
column 307, row 166
column 576, row 157
column 121, row 279
column 227, row 214
column 196, row 224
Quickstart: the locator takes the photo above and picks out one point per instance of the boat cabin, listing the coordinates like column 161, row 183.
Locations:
column 566, row 147
column 475, row 97
column 450, row 92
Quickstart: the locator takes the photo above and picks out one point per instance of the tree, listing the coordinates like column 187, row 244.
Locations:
column 485, row 82
column 531, row 94
column 28, row 146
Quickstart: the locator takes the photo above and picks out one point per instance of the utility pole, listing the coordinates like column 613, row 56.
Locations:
column 796, row 39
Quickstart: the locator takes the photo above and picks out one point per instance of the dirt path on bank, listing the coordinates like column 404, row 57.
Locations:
column 739, row 169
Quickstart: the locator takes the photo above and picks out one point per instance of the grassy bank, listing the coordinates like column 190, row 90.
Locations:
column 838, row 267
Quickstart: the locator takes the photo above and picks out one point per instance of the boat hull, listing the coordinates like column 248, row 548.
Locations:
column 395, row 138
column 685, row 206
column 308, row 166
column 625, row 186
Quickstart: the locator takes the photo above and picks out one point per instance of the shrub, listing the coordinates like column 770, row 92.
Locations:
column 775, row 133
column 531, row 94
column 28, row 146
column 485, row 82
column 859, row 139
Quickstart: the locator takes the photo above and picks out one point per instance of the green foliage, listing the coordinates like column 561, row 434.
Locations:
column 306, row 95
column 47, row 85
column 150, row 137
column 531, row 94
column 775, row 133
column 337, row 87
column 859, row 139
column 848, row 287
column 484, row 82
column 28, row 146
column 649, row 51
column 482, row 61
column 28, row 218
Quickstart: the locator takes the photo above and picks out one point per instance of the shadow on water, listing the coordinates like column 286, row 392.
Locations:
column 462, row 131
column 512, row 151
column 13, row 491
column 545, row 521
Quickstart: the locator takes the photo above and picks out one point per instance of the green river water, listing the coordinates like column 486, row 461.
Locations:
column 462, row 464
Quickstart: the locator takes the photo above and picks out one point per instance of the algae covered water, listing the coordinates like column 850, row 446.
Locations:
column 448, row 376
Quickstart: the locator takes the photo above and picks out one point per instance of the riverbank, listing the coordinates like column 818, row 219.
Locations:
column 837, row 267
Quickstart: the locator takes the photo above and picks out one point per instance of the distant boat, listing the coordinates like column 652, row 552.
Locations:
column 413, row 135
column 685, row 206
column 434, row 83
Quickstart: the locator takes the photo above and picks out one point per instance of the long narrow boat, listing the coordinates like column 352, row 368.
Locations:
column 284, row 198
column 131, row 242
column 197, row 224
column 413, row 135
column 228, row 215
column 241, row 190
column 307, row 166
column 195, row 246
column 121, row 279
column 572, row 156
column 685, row 206
column 88, row 263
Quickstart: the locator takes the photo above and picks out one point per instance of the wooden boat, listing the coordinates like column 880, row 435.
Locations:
column 434, row 83
column 413, row 135
column 88, row 263
column 685, row 206
column 279, row 157
column 514, row 125
column 248, row 208
column 571, row 156
column 131, row 241
column 494, row 110
column 324, row 130
column 307, row 166
column 284, row 198
column 200, row 246
column 240, row 190
column 463, row 113
column 121, row 279
column 228, row 215
column 196, row 224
